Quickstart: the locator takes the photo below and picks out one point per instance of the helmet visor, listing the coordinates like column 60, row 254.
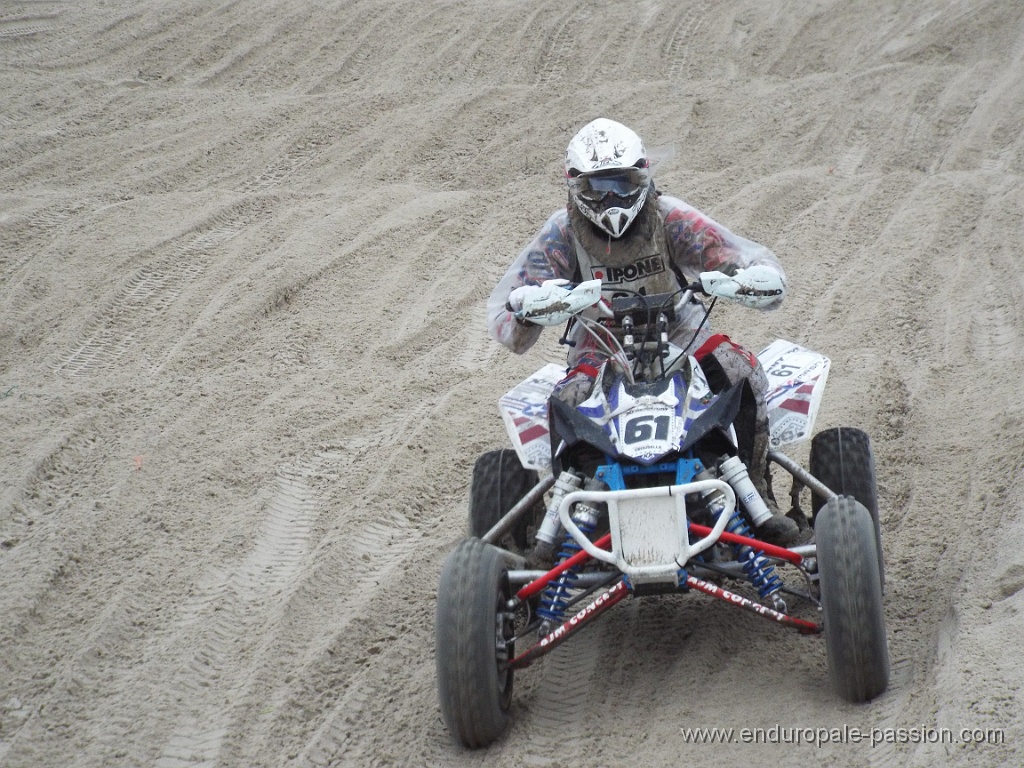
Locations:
column 623, row 183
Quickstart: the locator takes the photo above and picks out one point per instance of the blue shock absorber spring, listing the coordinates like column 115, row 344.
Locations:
column 760, row 572
column 556, row 594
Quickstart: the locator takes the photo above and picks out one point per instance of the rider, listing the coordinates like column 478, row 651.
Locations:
column 617, row 227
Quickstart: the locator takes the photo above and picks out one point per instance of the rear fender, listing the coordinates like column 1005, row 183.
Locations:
column 524, row 409
column 796, row 383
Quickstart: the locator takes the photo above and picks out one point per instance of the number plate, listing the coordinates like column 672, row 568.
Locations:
column 647, row 433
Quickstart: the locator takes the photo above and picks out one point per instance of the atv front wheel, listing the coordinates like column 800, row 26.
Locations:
column 499, row 482
column 473, row 633
column 842, row 459
column 851, row 600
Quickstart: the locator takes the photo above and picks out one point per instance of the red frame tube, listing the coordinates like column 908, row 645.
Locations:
column 769, row 549
column 536, row 586
column 568, row 628
column 805, row 627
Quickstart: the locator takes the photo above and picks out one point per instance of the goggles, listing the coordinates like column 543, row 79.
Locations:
column 623, row 183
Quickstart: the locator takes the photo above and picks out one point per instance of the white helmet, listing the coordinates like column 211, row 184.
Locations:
column 608, row 174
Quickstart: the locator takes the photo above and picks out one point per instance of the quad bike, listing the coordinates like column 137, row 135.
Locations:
column 643, row 493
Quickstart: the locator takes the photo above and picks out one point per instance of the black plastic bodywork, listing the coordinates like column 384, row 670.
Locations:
column 578, row 442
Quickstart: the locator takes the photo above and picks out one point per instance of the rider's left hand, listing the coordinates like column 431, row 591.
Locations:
column 756, row 287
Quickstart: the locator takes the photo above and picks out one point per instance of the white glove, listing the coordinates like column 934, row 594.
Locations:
column 520, row 295
column 756, row 287
column 551, row 303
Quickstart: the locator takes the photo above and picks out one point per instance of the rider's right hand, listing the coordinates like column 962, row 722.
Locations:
column 514, row 304
column 518, row 296
column 552, row 303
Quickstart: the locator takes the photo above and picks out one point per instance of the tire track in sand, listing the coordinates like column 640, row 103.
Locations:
column 147, row 295
column 28, row 25
column 291, row 162
column 891, row 707
column 228, row 614
column 380, row 544
column 685, row 29
column 557, row 51
column 562, row 701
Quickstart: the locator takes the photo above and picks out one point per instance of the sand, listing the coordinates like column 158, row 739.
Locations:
column 245, row 249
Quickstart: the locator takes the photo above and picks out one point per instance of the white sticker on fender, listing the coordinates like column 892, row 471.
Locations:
column 524, row 410
column 796, row 383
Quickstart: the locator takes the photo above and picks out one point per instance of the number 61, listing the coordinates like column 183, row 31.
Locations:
column 643, row 428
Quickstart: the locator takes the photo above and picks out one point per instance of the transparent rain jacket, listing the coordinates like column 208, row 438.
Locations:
column 696, row 243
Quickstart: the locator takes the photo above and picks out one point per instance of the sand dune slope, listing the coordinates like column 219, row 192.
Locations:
column 244, row 254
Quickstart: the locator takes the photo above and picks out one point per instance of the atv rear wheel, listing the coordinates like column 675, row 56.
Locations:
column 473, row 634
column 842, row 459
column 851, row 600
column 499, row 482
